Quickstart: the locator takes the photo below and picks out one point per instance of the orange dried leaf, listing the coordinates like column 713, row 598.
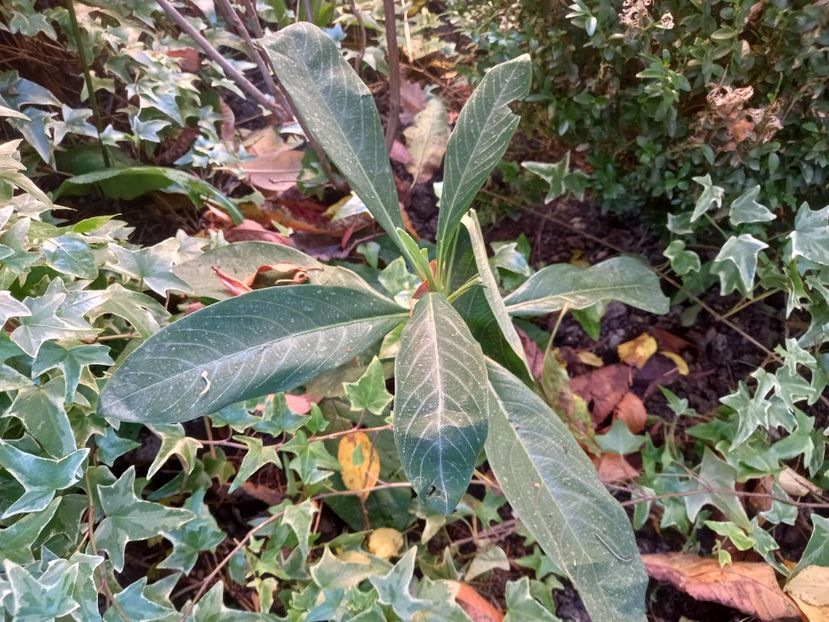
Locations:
column 602, row 388
column 632, row 411
column 614, row 468
column 359, row 461
column 478, row 608
column 748, row 586
column 233, row 285
column 637, row 351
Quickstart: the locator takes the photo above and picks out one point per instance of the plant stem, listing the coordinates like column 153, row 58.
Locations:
column 393, row 57
column 87, row 75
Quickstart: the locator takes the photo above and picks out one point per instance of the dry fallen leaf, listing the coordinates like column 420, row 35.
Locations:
column 614, row 468
column 681, row 365
column 276, row 172
column 385, row 542
column 360, row 462
column 426, row 140
column 603, row 388
column 748, row 586
column 637, row 351
column 632, row 411
column 795, row 484
column 412, row 100
column 810, row 590
column 233, row 285
column 299, row 404
column 478, row 608
column 588, row 358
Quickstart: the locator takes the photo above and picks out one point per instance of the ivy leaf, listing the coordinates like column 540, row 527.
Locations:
column 70, row 255
column 393, row 588
column 110, row 446
column 312, row 462
column 10, row 307
column 143, row 312
column 129, row 518
column 810, row 234
column 70, row 361
column 816, row 552
column 711, row 195
column 299, row 518
column 40, row 409
column 738, row 253
column 752, row 411
column 620, row 440
column 174, row 441
column 745, row 209
column 369, row 392
column 152, row 266
column 522, row 607
column 45, row 323
column 716, row 475
column 197, row 535
column 211, row 608
column 256, row 457
column 16, row 541
column 331, row 573
column 558, row 177
column 683, row 261
column 35, row 601
column 132, row 604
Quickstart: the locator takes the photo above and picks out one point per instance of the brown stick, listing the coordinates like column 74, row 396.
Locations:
column 393, row 56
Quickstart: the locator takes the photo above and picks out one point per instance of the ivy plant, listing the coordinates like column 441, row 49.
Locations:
column 462, row 384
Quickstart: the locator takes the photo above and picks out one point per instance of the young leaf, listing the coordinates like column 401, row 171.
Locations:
column 265, row 341
column 339, row 111
column 480, row 138
column 625, row 279
column 440, row 406
column 554, row 489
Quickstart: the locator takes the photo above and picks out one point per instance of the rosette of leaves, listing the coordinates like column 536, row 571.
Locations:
column 462, row 384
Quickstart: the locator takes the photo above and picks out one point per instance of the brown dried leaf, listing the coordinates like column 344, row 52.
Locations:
column 276, row 171
column 412, row 100
column 604, row 388
column 741, row 129
column 252, row 230
column 233, row 285
column 748, row 586
column 187, row 58
column 632, row 411
column 637, row 351
column 613, row 468
column 810, row 590
column 478, row 608
column 795, row 484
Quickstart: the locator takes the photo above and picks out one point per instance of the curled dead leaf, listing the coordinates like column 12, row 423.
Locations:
column 632, row 411
column 385, row 542
column 637, row 351
column 603, row 389
column 681, row 365
column 748, row 586
column 478, row 608
column 614, row 468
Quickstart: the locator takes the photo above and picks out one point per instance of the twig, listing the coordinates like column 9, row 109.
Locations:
column 393, row 56
column 87, row 76
column 358, row 60
column 253, row 18
column 495, row 530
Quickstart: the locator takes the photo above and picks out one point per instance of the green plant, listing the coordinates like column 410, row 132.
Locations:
column 460, row 373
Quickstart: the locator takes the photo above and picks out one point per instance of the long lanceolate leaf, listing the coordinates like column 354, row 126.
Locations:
column 625, row 279
column 484, row 129
column 265, row 341
column 554, row 489
column 339, row 111
column 441, row 401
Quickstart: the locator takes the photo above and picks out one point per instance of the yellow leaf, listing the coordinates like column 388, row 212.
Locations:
column 359, row 461
column 637, row 351
column 588, row 358
column 681, row 365
column 810, row 590
column 385, row 542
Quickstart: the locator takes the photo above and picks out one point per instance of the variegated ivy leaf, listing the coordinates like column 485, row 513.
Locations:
column 211, row 608
column 393, row 588
column 40, row 599
column 41, row 411
column 110, row 446
column 256, row 457
column 152, row 266
column 132, row 603
column 71, row 361
column 810, row 238
column 174, row 442
column 683, row 261
column 711, row 196
column 17, row 540
column 716, row 475
column 46, row 321
column 69, row 254
column 736, row 263
column 745, row 208
column 522, row 607
column 369, row 392
column 299, row 518
column 129, row 518
column 9, row 307
column 191, row 538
